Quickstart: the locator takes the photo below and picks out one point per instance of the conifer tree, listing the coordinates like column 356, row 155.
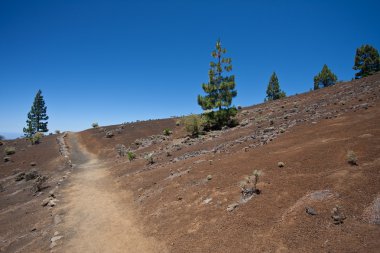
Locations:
column 219, row 90
column 324, row 78
column 273, row 90
column 366, row 61
column 37, row 117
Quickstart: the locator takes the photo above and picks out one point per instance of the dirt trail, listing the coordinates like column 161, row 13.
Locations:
column 99, row 218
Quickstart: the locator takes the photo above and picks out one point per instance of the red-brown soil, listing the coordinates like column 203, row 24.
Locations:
column 179, row 202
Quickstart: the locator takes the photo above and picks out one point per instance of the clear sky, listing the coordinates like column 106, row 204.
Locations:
column 116, row 61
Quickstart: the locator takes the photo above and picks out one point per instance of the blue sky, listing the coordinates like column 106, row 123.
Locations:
column 117, row 61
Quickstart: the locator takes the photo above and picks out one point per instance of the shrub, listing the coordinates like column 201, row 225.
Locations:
column 167, row 132
column 57, row 131
column 109, row 134
column 10, row 150
column 131, row 155
column 95, row 125
column 194, row 125
column 36, row 138
column 351, row 158
column 178, row 122
column 149, row 158
column 1, row 137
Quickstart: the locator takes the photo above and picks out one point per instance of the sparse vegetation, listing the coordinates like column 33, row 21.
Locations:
column 1, row 137
column 324, row 78
column 37, row 117
column 167, row 132
column 273, row 90
column 57, row 131
column 95, row 125
column 178, row 123
column 352, row 158
column 131, row 156
column 220, row 91
column 109, row 134
column 36, row 138
column 366, row 61
column 10, row 150
column 149, row 158
column 194, row 125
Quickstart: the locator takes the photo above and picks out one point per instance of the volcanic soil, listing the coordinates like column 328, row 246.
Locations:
column 189, row 198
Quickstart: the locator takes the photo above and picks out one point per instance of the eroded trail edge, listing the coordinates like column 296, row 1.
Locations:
column 99, row 216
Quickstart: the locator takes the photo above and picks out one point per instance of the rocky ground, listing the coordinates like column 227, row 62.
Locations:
column 317, row 163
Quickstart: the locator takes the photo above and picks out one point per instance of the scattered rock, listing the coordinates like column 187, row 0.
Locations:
column 20, row 176
column 209, row 177
column 45, row 202
column 232, row 207
column 179, row 198
column 7, row 159
column 310, row 210
column 57, row 219
column 337, row 215
column 281, row 164
column 206, row 201
column 244, row 122
column 33, row 164
column 33, row 174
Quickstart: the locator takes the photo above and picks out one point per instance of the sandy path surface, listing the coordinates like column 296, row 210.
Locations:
column 99, row 218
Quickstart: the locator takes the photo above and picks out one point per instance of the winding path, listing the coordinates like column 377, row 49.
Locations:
column 98, row 217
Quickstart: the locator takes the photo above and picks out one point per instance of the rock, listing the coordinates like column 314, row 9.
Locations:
column 232, row 207
column 268, row 129
column 310, row 210
column 45, row 202
column 179, row 198
column 7, row 159
column 337, row 216
column 56, row 238
column 244, row 122
column 280, row 164
column 20, row 176
column 209, row 177
column 33, row 164
column 109, row 134
column 206, row 201
column 33, row 174
column 210, row 162
column 57, row 219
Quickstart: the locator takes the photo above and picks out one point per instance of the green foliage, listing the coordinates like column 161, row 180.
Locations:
column 95, row 125
column 1, row 138
column 37, row 117
column 194, row 124
column 36, row 138
column 220, row 90
column 273, row 90
column 366, row 61
column 57, row 131
column 167, row 132
column 10, row 150
column 131, row 155
column 324, row 78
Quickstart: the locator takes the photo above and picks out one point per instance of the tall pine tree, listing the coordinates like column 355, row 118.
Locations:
column 37, row 117
column 220, row 90
column 324, row 78
column 273, row 90
column 366, row 61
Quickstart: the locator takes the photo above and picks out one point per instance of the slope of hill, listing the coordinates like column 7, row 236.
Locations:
column 189, row 199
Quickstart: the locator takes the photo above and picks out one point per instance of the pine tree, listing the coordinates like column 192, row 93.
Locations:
column 220, row 90
column 324, row 78
column 36, row 117
column 273, row 90
column 366, row 61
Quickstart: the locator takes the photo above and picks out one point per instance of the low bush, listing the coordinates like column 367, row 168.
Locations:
column 121, row 150
column 167, row 132
column 57, row 131
column 131, row 155
column 36, row 138
column 194, row 125
column 95, row 125
column 10, row 150
column 351, row 158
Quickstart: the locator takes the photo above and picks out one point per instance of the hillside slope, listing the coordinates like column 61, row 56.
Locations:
column 311, row 133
